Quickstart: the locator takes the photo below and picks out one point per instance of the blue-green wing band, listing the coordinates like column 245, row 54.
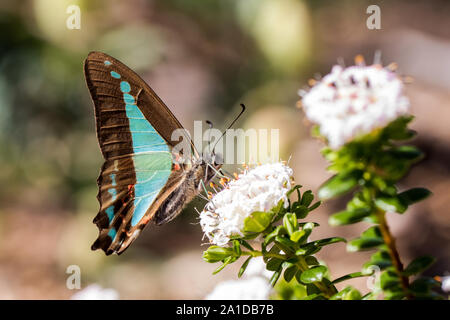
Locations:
column 133, row 141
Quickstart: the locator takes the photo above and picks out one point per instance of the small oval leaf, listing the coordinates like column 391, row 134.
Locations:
column 418, row 265
column 257, row 221
column 339, row 184
column 314, row 274
column 349, row 216
column 414, row 195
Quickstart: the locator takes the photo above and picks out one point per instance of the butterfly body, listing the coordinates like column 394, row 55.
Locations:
column 189, row 187
column 139, row 182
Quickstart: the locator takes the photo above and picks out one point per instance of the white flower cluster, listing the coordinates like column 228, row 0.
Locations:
column 446, row 284
column 95, row 292
column 254, row 286
column 353, row 101
column 257, row 189
column 257, row 268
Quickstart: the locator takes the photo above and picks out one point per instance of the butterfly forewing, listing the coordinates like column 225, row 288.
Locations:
column 134, row 128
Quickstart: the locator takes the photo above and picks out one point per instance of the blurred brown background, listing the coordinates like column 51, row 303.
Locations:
column 203, row 58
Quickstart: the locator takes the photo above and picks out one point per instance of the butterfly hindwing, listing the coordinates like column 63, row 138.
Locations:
column 134, row 129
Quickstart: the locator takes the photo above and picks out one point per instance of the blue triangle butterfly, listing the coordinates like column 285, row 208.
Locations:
column 139, row 181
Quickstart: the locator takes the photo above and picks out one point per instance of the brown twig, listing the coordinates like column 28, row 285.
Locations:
column 389, row 240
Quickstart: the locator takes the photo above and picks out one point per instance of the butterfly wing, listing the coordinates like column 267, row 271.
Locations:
column 134, row 130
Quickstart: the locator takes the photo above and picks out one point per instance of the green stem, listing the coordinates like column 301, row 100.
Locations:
column 268, row 254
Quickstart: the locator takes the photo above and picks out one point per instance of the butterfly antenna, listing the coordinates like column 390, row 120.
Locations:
column 231, row 125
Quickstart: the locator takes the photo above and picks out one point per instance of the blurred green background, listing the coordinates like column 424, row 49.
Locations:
column 203, row 58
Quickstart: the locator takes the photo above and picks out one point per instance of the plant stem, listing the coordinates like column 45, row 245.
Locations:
column 389, row 240
column 268, row 254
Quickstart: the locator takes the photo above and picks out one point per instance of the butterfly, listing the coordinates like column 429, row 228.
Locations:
column 140, row 180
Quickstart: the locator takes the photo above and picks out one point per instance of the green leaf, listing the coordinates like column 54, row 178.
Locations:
column 314, row 206
column 349, row 216
column 295, row 188
column 311, row 261
column 370, row 296
column 390, row 167
column 350, row 276
column 304, row 233
column 307, row 249
column 285, row 244
column 298, row 276
column 313, row 224
column 258, row 221
column 315, row 297
column 424, row 285
column 311, row 289
column 297, row 235
column 275, row 277
column 389, row 280
column 304, row 236
column 307, row 198
column 237, row 248
column 391, row 204
column 327, row 241
column 408, row 153
column 359, row 201
column 381, row 258
column 248, row 236
column 369, row 239
column 398, row 129
column 225, row 263
column 418, row 265
column 372, row 232
column 300, row 211
column 244, row 267
column 279, row 230
column 386, row 187
column 273, row 250
column 339, row 184
column 314, row 274
column 363, row 244
column 348, row 293
column 246, row 245
column 273, row 264
column 308, row 226
column 414, row 195
column 293, row 219
column 396, row 294
column 290, row 272
column 290, row 223
column 278, row 209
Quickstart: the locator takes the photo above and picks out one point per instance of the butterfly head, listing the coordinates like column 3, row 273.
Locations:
column 214, row 160
column 212, row 163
